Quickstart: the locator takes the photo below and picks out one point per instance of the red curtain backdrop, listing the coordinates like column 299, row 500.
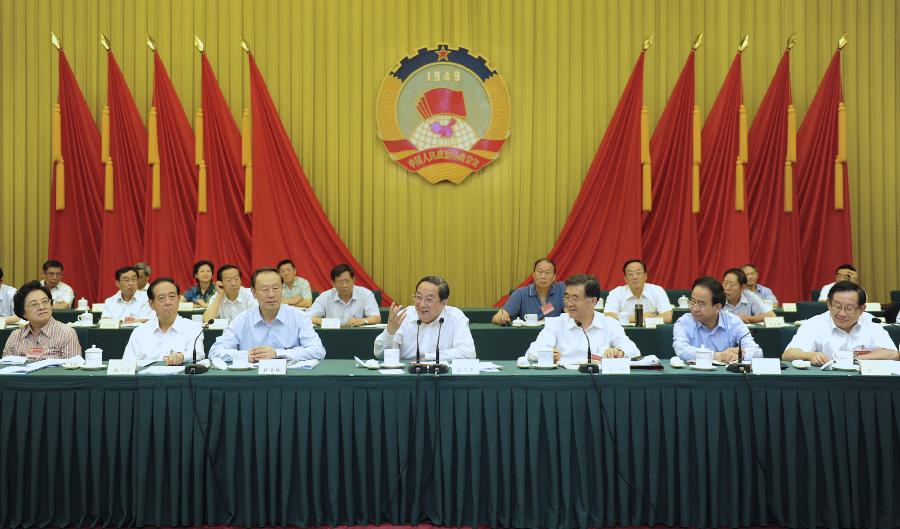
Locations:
column 669, row 232
column 775, row 233
column 604, row 227
column 170, row 229
column 722, row 231
column 123, row 237
column 223, row 232
column 75, row 230
column 825, row 230
column 290, row 228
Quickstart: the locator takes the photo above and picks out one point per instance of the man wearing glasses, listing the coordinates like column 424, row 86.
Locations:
column 842, row 328
column 351, row 304
column 128, row 304
column 635, row 291
column 168, row 337
column 433, row 317
column 568, row 335
column 273, row 330
column 710, row 327
column 43, row 337
column 59, row 291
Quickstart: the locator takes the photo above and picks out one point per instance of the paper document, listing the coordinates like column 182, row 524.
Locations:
column 303, row 364
column 12, row 360
column 162, row 370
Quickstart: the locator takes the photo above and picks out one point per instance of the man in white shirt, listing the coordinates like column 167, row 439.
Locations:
column 230, row 298
column 294, row 289
column 6, row 302
column 844, row 272
column 63, row 295
column 351, row 304
column 739, row 301
column 841, row 329
column 128, row 304
column 636, row 290
column 143, row 270
column 420, row 330
column 168, row 337
column 579, row 327
column 753, row 285
column 271, row 330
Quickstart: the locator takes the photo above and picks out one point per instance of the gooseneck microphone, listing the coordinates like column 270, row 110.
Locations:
column 438, row 367
column 738, row 366
column 587, row 367
column 417, row 367
column 194, row 368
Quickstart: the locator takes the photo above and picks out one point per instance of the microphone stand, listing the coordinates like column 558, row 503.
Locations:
column 739, row 367
column 588, row 367
column 194, row 368
column 438, row 368
column 417, row 368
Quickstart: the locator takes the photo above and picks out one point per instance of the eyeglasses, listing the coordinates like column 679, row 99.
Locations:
column 35, row 305
column 699, row 305
column 424, row 300
column 845, row 308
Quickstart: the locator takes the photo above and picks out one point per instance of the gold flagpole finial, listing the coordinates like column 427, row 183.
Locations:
column 245, row 47
column 104, row 41
column 648, row 42
column 742, row 45
column 55, row 41
column 151, row 43
column 791, row 42
column 698, row 41
column 199, row 44
column 843, row 41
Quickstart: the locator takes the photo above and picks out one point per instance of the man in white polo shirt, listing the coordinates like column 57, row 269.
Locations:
column 635, row 291
column 231, row 298
column 168, row 337
column 841, row 329
column 129, row 303
column 63, row 295
column 351, row 304
column 6, row 302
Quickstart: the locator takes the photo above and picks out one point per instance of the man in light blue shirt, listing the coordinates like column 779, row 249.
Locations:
column 711, row 327
column 273, row 330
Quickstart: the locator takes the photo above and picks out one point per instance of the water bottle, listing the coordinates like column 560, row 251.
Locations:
column 639, row 315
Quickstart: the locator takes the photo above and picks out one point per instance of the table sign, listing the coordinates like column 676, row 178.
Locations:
column 651, row 323
column 121, row 367
column 774, row 321
column 789, row 307
column 466, row 366
column 109, row 323
column 331, row 323
column 615, row 366
column 272, row 366
column 766, row 366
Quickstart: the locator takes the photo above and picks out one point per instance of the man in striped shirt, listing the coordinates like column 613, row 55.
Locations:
column 43, row 337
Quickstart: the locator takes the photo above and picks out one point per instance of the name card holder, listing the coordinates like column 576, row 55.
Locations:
column 185, row 307
column 615, row 366
column 774, row 321
column 466, row 366
column 331, row 323
column 766, row 366
column 651, row 323
column 108, row 323
column 272, row 366
column 789, row 307
column 121, row 367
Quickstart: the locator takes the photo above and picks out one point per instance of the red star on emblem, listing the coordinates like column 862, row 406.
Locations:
column 442, row 53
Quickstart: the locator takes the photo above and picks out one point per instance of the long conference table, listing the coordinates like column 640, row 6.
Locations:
column 342, row 445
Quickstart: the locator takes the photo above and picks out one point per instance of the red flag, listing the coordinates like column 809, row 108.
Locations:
column 123, row 237
column 75, row 227
column 297, row 228
column 223, row 232
column 775, row 237
column 170, row 232
column 668, row 230
column 720, row 226
column 604, row 227
column 825, row 230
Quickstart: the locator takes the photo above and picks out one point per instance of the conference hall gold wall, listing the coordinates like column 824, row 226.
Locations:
column 565, row 62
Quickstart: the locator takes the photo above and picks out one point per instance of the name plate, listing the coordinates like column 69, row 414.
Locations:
column 98, row 307
column 2, row 322
column 466, row 366
column 331, row 323
column 615, row 366
column 218, row 323
column 109, row 323
column 789, row 307
column 185, row 307
column 873, row 307
column 879, row 368
column 774, row 321
column 121, row 367
column 766, row 366
column 652, row 322
column 272, row 366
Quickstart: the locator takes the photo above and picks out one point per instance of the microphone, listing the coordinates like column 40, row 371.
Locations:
column 588, row 367
column 738, row 367
column 438, row 367
column 417, row 367
column 194, row 368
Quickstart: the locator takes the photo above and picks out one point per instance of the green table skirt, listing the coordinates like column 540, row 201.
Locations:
column 339, row 445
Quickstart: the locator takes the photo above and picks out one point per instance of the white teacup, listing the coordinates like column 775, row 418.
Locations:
column 683, row 302
column 391, row 357
column 531, row 318
column 240, row 359
column 703, row 358
column 86, row 318
column 93, row 357
column 545, row 357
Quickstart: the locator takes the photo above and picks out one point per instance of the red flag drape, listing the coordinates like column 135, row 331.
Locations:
column 775, row 237
column 123, row 237
column 223, row 232
column 75, row 229
column 824, row 230
column 668, row 230
column 723, row 229
column 170, row 232
column 604, row 227
column 297, row 228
